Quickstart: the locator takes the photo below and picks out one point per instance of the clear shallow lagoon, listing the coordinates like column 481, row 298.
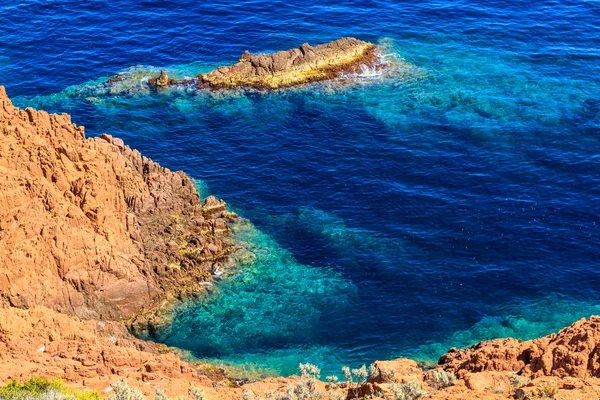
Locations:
column 453, row 201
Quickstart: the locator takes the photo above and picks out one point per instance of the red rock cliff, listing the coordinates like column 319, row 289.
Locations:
column 90, row 227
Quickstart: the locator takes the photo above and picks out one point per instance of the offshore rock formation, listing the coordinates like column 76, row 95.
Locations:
column 294, row 67
column 91, row 228
column 286, row 68
column 96, row 239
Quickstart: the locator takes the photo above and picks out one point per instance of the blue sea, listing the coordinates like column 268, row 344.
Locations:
column 451, row 198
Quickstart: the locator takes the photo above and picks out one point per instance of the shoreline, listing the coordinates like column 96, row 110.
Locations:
column 102, row 193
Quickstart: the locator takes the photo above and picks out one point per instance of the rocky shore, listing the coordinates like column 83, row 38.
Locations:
column 93, row 229
column 98, row 241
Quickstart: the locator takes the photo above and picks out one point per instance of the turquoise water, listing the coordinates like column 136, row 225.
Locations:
column 451, row 199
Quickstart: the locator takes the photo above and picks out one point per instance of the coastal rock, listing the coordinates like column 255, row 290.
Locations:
column 93, row 234
column 161, row 80
column 573, row 352
column 401, row 370
column 294, row 67
column 492, row 382
column 495, row 355
column 93, row 354
column 91, row 228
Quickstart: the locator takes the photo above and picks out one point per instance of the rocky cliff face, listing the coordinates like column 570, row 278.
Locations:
column 91, row 228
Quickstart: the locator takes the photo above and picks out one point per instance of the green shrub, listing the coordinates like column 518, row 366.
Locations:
column 86, row 395
column 373, row 372
column 44, row 389
column 441, row 379
column 306, row 389
column 360, row 374
column 519, row 381
column 332, row 382
column 408, row 391
column 249, row 395
column 548, row 390
column 159, row 394
column 122, row 391
column 195, row 393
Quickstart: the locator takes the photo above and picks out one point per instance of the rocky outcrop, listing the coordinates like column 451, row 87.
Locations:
column 93, row 229
column 161, row 80
column 294, row 67
column 573, row 352
column 287, row 68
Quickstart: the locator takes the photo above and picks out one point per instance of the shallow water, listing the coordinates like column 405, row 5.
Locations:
column 452, row 200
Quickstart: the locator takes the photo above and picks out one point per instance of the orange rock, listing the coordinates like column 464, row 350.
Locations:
column 574, row 352
column 401, row 370
column 492, row 382
column 87, row 225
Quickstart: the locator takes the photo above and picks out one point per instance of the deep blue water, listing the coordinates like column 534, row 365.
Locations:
column 452, row 200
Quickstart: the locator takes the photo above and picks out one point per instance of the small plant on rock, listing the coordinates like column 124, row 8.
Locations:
column 441, row 379
column 332, row 382
column 373, row 372
column 548, row 390
column 519, row 381
column 159, row 394
column 196, row 393
column 360, row 374
column 347, row 374
column 306, row 389
column 249, row 395
column 388, row 376
column 408, row 391
column 122, row 391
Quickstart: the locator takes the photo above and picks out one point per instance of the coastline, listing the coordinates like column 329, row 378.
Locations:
column 78, row 333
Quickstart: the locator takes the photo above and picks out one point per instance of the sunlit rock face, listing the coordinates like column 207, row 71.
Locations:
column 284, row 68
column 91, row 228
column 294, row 67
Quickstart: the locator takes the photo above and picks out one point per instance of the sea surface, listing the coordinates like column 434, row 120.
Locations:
column 451, row 199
